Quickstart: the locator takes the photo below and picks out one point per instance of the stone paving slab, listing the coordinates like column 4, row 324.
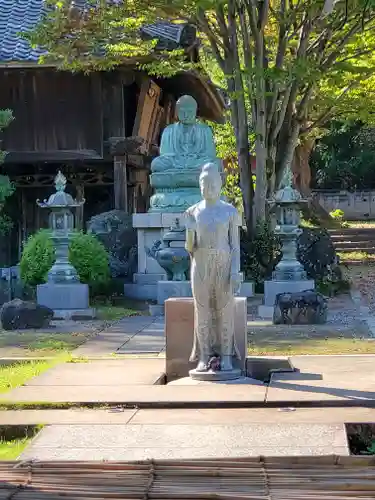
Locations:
column 132, row 335
column 103, row 344
column 214, row 452
column 138, row 442
column 238, row 416
column 325, row 378
column 73, row 416
column 364, row 363
column 205, row 416
column 102, row 373
column 300, row 387
column 158, row 394
column 143, row 343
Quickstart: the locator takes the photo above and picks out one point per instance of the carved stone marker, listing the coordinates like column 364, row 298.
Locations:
column 301, row 308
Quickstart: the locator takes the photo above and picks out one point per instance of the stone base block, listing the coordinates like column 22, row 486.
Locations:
column 156, row 310
column 211, row 376
column 247, row 289
column 179, row 332
column 171, row 289
column 74, row 314
column 272, row 288
column 148, row 279
column 140, row 292
column 166, row 290
column 265, row 312
column 63, row 296
column 237, row 381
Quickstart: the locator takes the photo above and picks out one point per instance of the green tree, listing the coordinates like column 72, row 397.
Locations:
column 287, row 65
column 345, row 157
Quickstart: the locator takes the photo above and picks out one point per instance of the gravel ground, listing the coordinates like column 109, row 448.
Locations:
column 343, row 322
column 363, row 279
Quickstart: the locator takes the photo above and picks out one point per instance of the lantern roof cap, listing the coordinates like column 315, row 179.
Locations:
column 60, row 198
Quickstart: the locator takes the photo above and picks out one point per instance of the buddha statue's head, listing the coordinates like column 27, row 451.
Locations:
column 210, row 182
column 186, row 108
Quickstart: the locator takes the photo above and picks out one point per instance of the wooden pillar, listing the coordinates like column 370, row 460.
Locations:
column 120, row 183
column 80, row 194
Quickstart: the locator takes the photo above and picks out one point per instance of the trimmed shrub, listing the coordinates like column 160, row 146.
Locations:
column 260, row 255
column 86, row 253
column 37, row 258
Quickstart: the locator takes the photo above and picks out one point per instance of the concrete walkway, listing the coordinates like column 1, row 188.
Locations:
column 135, row 335
column 133, row 379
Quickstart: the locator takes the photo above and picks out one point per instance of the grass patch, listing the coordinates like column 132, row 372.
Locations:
column 17, row 374
column 40, row 344
column 11, row 450
column 109, row 312
column 356, row 256
column 266, row 339
column 367, row 224
column 51, row 344
column 312, row 346
column 14, row 440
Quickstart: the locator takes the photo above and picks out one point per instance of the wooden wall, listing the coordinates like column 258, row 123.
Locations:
column 53, row 110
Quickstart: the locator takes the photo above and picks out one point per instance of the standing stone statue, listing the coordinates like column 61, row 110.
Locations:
column 212, row 240
column 185, row 147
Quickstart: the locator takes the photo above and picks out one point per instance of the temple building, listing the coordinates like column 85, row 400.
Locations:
column 101, row 130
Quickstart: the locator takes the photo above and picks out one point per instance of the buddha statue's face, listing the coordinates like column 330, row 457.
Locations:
column 186, row 110
column 210, row 184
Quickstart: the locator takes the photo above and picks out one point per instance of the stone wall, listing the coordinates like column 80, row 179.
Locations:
column 358, row 205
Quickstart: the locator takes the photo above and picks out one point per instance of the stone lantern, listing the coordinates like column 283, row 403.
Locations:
column 63, row 291
column 289, row 274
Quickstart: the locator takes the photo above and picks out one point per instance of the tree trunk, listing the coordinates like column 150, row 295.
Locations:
column 302, row 177
column 239, row 121
column 261, row 181
column 288, row 154
column 300, row 166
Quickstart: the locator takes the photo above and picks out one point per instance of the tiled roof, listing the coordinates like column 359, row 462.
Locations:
column 18, row 16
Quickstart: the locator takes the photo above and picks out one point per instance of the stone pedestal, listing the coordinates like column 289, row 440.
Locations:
column 170, row 289
column 150, row 227
column 167, row 290
column 68, row 301
column 273, row 288
column 179, row 332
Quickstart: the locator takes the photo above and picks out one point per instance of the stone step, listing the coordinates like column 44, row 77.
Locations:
column 142, row 395
column 357, row 242
column 355, row 249
column 142, row 442
column 351, row 230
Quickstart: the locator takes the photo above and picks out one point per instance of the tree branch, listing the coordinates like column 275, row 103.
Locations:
column 224, row 32
column 343, row 41
column 356, row 54
column 327, row 113
column 205, row 27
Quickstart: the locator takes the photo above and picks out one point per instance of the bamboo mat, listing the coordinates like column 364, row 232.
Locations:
column 282, row 478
